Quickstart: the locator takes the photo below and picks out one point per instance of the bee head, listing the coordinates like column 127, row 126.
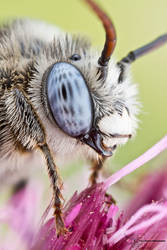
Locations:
column 75, row 108
column 70, row 98
column 90, row 98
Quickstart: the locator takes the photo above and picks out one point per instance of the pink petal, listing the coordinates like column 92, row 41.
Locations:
column 88, row 216
column 73, row 214
column 22, row 213
column 149, row 216
column 141, row 160
column 153, row 188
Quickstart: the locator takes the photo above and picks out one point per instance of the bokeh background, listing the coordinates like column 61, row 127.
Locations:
column 137, row 22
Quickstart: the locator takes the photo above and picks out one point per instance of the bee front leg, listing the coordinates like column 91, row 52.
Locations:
column 96, row 166
column 29, row 133
column 54, row 176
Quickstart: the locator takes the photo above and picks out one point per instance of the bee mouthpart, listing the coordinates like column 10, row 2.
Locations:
column 95, row 141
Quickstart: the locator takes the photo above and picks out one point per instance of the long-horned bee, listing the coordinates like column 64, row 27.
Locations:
column 58, row 94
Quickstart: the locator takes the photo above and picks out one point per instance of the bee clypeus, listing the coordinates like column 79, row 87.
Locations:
column 57, row 94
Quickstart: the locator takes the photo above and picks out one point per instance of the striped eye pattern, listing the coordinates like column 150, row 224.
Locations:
column 69, row 99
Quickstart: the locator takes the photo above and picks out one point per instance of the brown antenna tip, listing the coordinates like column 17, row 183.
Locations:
column 110, row 33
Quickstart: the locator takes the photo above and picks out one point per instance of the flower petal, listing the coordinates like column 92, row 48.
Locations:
column 21, row 213
column 141, row 160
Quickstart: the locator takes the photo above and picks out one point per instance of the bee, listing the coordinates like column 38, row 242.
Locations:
column 61, row 97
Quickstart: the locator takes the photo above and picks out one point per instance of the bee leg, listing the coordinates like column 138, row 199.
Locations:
column 20, row 114
column 96, row 167
column 55, row 179
column 109, row 199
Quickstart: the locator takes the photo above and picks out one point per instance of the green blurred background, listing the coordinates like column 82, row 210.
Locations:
column 137, row 22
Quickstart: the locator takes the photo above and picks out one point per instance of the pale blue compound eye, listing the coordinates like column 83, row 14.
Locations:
column 69, row 99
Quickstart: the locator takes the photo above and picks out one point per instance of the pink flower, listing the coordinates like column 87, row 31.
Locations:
column 21, row 215
column 96, row 223
column 153, row 188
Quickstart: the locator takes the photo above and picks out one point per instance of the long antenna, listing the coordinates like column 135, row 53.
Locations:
column 133, row 55
column 110, row 41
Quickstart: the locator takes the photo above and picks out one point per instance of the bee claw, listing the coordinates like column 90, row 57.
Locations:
column 109, row 200
column 61, row 230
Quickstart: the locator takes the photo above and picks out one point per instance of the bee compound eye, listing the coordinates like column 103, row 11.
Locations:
column 69, row 99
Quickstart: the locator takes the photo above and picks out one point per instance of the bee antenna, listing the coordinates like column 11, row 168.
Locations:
column 110, row 41
column 133, row 55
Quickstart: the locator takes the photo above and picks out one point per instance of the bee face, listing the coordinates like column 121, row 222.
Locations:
column 82, row 104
